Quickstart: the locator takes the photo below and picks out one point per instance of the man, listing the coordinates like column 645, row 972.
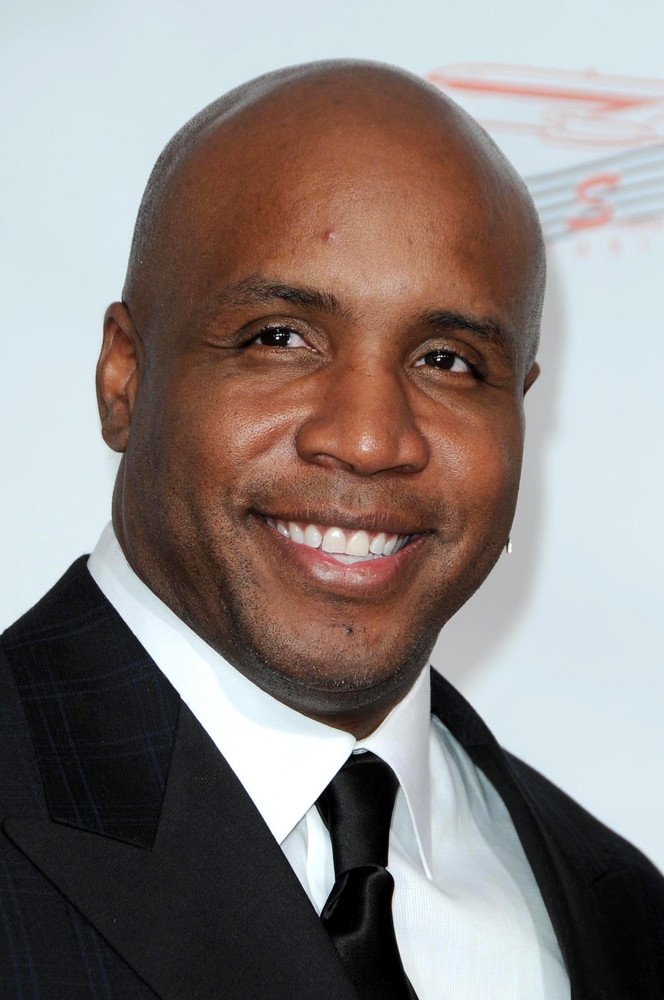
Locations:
column 227, row 770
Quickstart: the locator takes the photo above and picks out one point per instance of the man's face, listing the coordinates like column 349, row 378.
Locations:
column 325, row 446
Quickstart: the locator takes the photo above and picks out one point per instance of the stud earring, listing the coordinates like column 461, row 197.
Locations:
column 508, row 546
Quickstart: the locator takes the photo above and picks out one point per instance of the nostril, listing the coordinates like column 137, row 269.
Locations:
column 331, row 462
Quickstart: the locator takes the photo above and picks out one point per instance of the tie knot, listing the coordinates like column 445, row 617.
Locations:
column 357, row 807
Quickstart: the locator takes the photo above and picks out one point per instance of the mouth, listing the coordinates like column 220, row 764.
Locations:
column 367, row 556
column 363, row 557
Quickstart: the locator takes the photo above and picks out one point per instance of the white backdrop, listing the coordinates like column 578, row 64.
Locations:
column 561, row 651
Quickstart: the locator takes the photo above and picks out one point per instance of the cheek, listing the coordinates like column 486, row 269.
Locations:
column 478, row 465
column 223, row 430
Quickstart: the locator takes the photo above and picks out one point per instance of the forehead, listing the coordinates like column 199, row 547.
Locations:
column 399, row 212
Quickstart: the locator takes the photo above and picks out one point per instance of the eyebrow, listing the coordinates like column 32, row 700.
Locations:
column 487, row 330
column 255, row 291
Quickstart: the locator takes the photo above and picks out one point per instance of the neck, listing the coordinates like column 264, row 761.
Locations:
column 360, row 724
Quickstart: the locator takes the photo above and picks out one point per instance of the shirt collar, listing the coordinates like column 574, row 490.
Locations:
column 283, row 758
column 402, row 741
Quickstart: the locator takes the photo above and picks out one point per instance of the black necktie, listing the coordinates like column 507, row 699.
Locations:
column 357, row 809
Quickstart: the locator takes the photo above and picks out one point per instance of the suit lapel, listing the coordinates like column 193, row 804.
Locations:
column 213, row 909
column 101, row 715
column 594, row 967
column 150, row 834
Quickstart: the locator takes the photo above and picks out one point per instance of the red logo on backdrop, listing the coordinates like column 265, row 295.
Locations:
column 604, row 134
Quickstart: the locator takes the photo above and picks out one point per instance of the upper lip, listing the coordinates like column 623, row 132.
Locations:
column 390, row 523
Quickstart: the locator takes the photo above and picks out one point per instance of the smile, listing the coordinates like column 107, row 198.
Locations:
column 347, row 546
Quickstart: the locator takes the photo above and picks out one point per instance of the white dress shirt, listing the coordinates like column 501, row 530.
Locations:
column 469, row 918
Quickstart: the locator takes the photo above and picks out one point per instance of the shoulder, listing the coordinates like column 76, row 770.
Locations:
column 592, row 845
column 587, row 845
column 627, row 888
column 74, row 596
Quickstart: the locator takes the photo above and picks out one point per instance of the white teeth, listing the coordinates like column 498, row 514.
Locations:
column 346, row 547
column 296, row 533
column 358, row 544
column 378, row 544
column 312, row 536
column 390, row 545
column 334, row 540
column 349, row 560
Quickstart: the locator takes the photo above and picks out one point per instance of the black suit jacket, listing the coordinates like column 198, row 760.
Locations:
column 133, row 863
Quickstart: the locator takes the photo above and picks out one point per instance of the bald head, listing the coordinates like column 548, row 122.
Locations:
column 352, row 130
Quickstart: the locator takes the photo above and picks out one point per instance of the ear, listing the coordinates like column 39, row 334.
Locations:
column 531, row 377
column 117, row 375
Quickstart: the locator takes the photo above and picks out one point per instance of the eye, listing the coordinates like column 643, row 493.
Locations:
column 448, row 361
column 280, row 336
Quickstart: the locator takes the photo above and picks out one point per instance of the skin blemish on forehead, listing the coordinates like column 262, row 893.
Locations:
column 329, row 235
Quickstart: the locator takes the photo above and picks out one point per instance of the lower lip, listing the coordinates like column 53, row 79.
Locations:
column 373, row 575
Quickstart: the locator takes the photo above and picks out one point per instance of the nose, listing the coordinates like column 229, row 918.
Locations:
column 362, row 422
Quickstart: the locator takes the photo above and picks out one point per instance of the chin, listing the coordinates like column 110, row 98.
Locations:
column 322, row 675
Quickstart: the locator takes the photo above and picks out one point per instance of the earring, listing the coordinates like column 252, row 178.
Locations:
column 508, row 546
